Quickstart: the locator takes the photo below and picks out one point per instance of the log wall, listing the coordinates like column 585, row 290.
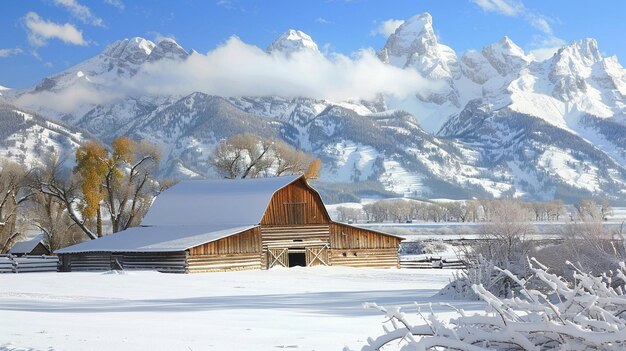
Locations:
column 236, row 252
column 167, row 262
column 220, row 263
column 245, row 242
column 380, row 258
column 358, row 247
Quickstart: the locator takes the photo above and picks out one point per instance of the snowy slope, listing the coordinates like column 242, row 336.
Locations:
column 28, row 138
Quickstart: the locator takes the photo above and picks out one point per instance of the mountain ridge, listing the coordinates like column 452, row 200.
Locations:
column 500, row 124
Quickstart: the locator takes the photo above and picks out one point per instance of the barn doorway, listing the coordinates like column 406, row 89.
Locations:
column 297, row 259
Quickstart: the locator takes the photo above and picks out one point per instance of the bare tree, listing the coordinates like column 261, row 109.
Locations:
column 250, row 156
column 50, row 215
column 13, row 195
column 53, row 180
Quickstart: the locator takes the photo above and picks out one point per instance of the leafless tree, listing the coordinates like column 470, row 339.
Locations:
column 50, row 216
column 53, row 180
column 14, row 193
column 250, row 156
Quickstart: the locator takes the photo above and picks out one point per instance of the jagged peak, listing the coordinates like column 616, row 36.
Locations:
column 504, row 48
column 293, row 41
column 415, row 35
column 133, row 48
column 585, row 50
column 168, row 48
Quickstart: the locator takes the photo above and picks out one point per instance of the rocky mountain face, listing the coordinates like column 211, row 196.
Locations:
column 496, row 122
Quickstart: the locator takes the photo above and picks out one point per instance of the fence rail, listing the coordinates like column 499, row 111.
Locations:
column 432, row 262
column 28, row 264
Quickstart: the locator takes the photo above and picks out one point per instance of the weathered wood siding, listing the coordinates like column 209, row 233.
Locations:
column 236, row 252
column 245, row 242
column 221, row 263
column 381, row 258
column 296, row 203
column 169, row 262
column 295, row 236
column 358, row 247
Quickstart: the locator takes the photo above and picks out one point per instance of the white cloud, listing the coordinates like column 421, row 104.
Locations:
column 81, row 12
column 236, row 69
column 387, row 28
column 545, row 47
column 116, row 3
column 159, row 37
column 322, row 20
column 515, row 8
column 40, row 31
column 239, row 69
column 10, row 52
column 504, row 7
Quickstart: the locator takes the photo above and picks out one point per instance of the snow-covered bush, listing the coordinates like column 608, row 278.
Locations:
column 590, row 245
column 503, row 243
column 587, row 315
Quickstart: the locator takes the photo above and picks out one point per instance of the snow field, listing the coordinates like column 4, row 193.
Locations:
column 301, row 308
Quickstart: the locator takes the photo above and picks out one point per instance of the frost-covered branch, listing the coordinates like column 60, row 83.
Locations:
column 586, row 315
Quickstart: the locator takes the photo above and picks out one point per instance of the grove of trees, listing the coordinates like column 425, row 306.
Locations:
column 115, row 183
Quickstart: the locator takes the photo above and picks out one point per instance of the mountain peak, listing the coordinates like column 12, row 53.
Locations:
column 168, row 48
column 135, row 50
column 585, row 50
column 415, row 35
column 293, row 41
column 505, row 56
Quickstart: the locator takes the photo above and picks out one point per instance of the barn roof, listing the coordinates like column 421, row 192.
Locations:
column 26, row 247
column 156, row 239
column 226, row 202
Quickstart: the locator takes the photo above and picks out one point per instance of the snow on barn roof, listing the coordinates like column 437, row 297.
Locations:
column 156, row 239
column 228, row 202
column 26, row 247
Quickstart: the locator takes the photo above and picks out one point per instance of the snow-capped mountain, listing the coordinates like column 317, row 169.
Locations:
column 293, row 41
column 494, row 121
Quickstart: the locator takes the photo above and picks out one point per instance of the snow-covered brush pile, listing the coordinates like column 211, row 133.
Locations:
column 587, row 315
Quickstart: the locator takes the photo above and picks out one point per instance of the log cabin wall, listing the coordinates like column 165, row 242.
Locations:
column 295, row 204
column 357, row 247
column 237, row 252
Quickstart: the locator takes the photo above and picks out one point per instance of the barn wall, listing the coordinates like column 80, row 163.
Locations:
column 357, row 247
column 296, row 195
column 245, row 242
column 236, row 252
column 169, row 262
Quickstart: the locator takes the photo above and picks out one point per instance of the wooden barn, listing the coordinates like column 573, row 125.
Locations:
column 217, row 225
column 34, row 246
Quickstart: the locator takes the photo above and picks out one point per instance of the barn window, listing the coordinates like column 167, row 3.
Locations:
column 295, row 212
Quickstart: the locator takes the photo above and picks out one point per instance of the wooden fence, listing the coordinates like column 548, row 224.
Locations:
column 28, row 264
column 431, row 262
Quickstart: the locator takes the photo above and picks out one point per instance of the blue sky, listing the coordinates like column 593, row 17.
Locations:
column 42, row 37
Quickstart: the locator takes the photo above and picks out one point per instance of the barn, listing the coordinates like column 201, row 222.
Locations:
column 34, row 246
column 219, row 225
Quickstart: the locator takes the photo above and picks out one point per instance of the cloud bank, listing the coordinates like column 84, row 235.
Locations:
column 239, row 69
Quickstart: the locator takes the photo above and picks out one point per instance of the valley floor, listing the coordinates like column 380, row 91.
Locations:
column 315, row 308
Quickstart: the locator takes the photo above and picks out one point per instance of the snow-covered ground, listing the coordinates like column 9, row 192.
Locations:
column 298, row 308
